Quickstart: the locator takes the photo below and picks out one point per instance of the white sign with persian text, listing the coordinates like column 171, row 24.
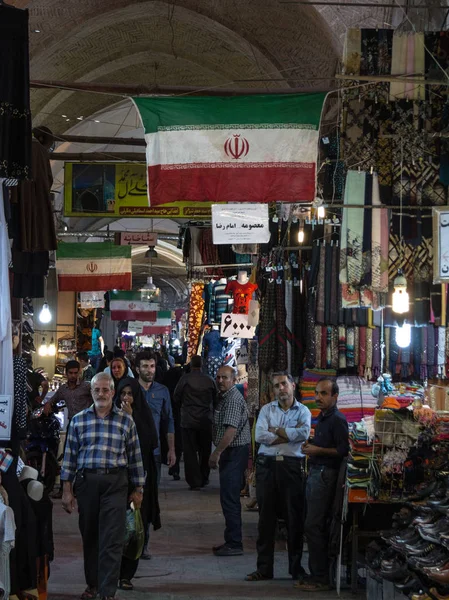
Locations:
column 240, row 224
column 236, row 326
column 5, row 417
column 440, row 245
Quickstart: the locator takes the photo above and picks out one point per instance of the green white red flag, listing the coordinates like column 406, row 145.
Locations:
column 92, row 267
column 127, row 306
column 260, row 148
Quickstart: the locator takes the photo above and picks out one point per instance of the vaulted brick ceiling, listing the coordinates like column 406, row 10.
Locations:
column 180, row 42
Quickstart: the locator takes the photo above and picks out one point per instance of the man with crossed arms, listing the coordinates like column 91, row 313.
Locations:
column 283, row 426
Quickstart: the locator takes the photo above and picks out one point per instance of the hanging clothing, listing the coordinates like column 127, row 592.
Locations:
column 242, row 293
column 15, row 115
column 6, row 362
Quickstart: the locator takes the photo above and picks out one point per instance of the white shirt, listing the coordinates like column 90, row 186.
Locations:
column 296, row 421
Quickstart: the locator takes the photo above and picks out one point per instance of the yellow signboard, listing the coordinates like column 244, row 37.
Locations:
column 119, row 190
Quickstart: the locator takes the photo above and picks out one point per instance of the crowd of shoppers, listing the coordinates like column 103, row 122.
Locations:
column 120, row 423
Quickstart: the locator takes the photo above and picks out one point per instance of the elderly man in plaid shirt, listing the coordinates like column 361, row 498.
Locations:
column 102, row 458
column 232, row 437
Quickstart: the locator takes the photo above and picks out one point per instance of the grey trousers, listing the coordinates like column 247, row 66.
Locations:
column 102, row 501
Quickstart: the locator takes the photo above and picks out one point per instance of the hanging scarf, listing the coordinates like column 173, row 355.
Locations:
column 281, row 361
column 362, row 351
column 398, row 65
column 350, row 347
column 267, row 328
column 289, row 321
column 352, row 229
column 341, row 348
column 352, row 51
column 376, row 353
column 369, row 354
column 423, row 369
column 320, row 290
column 441, row 350
column 333, row 317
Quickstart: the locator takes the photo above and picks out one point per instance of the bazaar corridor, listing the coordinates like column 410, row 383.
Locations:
column 182, row 566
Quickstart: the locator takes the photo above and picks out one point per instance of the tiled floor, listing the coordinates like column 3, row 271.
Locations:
column 182, row 567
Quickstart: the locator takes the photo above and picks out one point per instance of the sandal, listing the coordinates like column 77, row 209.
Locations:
column 89, row 593
column 311, row 586
column 125, row 584
column 256, row 576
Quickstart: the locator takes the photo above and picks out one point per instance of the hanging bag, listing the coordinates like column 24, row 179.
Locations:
column 135, row 534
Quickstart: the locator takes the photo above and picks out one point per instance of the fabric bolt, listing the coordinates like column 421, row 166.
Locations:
column 376, row 352
column 441, row 349
column 15, row 114
column 342, row 348
column 369, row 354
column 320, row 289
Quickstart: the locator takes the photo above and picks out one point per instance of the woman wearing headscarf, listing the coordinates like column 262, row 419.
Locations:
column 119, row 370
column 129, row 397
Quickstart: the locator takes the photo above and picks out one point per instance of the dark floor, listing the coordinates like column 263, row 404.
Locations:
column 182, row 567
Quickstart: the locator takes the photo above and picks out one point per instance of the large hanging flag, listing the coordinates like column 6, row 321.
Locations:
column 232, row 149
column 93, row 267
column 128, row 306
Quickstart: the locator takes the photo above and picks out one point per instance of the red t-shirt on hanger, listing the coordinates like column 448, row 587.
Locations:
column 242, row 294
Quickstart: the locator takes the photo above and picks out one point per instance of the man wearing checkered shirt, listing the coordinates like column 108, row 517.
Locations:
column 232, row 437
column 102, row 461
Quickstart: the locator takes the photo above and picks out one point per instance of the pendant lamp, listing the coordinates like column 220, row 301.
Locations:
column 401, row 302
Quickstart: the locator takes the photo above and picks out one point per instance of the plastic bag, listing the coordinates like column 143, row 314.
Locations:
column 135, row 534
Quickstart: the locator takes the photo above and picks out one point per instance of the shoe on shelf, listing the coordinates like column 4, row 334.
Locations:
column 226, row 550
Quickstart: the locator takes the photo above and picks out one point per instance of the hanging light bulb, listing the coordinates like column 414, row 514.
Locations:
column 149, row 291
column 301, row 236
column 43, row 348
column 401, row 302
column 45, row 314
column 321, row 212
column 52, row 348
column 404, row 335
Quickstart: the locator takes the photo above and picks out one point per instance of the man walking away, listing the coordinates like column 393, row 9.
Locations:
column 102, row 454
column 283, row 426
column 196, row 394
column 232, row 437
column 330, row 445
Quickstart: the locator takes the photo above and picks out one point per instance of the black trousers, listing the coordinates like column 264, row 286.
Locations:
column 280, row 490
column 197, row 445
column 102, row 501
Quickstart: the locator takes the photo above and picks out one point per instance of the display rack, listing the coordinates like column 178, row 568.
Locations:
column 66, row 352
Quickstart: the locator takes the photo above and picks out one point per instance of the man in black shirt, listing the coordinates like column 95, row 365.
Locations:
column 330, row 445
column 196, row 394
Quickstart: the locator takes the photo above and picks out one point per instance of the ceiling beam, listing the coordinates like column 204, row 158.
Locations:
column 98, row 156
column 128, row 89
column 92, row 139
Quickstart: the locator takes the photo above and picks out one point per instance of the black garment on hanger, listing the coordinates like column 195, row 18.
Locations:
column 15, row 115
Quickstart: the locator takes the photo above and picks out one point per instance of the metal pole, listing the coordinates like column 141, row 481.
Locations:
column 364, row 4
column 392, row 78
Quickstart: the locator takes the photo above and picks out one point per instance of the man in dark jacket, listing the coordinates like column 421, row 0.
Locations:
column 196, row 394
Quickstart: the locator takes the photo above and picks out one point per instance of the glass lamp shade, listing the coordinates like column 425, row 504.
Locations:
column 401, row 303
column 45, row 314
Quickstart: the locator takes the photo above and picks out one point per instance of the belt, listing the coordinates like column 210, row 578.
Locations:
column 112, row 471
column 282, row 457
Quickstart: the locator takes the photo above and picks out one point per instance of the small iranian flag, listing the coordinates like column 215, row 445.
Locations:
column 126, row 306
column 232, row 149
column 93, row 267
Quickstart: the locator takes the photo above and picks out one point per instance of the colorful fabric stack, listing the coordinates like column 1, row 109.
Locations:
column 355, row 399
column 307, row 388
column 360, row 456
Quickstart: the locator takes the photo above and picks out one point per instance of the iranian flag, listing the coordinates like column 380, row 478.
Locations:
column 127, row 306
column 232, row 149
column 93, row 267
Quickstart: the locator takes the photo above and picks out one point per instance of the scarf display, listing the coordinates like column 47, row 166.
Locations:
column 196, row 312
